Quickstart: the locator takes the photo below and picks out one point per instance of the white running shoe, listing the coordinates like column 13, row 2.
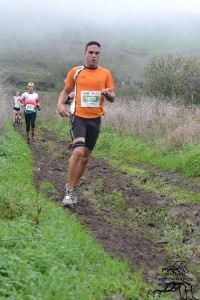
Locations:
column 70, row 197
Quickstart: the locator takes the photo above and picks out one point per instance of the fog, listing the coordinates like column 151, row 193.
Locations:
column 47, row 15
column 103, row 11
column 129, row 31
column 139, row 23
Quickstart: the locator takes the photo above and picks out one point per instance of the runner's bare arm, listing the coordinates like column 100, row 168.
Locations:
column 62, row 110
column 21, row 102
column 109, row 94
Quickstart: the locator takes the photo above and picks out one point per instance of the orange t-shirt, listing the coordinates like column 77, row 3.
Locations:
column 87, row 84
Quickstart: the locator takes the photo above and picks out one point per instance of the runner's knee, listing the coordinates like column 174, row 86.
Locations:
column 78, row 149
column 78, row 144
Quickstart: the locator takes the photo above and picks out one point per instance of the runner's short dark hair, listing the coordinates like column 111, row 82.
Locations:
column 92, row 43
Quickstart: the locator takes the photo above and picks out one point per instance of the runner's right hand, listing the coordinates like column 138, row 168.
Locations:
column 63, row 112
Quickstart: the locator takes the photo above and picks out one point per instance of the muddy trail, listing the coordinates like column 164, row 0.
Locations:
column 127, row 221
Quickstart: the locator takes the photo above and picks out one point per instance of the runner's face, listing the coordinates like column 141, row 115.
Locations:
column 92, row 56
column 30, row 89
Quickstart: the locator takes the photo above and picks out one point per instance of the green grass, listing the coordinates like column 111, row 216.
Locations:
column 131, row 150
column 45, row 253
column 186, row 160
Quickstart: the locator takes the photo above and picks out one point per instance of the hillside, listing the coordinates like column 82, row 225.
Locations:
column 126, row 46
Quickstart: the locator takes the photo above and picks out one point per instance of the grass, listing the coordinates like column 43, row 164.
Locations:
column 115, row 200
column 45, row 253
column 132, row 150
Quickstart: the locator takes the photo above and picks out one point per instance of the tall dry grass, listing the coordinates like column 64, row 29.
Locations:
column 161, row 123
column 49, row 106
column 5, row 107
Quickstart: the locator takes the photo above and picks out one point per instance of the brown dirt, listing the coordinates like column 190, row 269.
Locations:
column 119, row 231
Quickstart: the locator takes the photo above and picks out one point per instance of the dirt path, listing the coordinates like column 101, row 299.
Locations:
column 126, row 229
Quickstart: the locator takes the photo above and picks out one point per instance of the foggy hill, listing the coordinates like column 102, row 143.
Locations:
column 51, row 46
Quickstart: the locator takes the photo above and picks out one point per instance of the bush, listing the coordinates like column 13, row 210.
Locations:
column 169, row 77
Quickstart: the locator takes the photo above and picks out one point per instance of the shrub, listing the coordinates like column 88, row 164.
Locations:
column 169, row 76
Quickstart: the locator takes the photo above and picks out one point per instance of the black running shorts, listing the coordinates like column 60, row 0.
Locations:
column 86, row 128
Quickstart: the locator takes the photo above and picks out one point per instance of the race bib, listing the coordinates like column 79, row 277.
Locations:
column 30, row 107
column 90, row 98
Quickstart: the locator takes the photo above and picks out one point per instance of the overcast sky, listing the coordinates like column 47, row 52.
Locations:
column 53, row 16
column 101, row 9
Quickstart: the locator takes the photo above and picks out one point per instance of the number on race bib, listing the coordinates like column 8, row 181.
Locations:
column 30, row 107
column 90, row 98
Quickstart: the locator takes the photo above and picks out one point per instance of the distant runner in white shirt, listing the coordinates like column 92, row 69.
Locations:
column 31, row 103
column 16, row 109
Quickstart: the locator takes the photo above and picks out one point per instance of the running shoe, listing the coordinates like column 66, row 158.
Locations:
column 70, row 197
